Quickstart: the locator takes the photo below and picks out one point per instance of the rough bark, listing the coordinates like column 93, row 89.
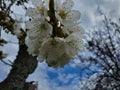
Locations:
column 24, row 65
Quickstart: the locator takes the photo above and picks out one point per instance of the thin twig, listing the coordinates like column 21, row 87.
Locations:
column 6, row 63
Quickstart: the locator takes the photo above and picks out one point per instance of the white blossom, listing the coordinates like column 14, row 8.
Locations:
column 38, row 29
column 56, row 45
column 54, row 51
column 37, row 3
column 33, row 12
column 33, row 45
column 36, row 35
column 65, row 6
column 64, row 13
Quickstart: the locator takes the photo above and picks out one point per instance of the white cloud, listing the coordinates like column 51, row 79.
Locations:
column 88, row 9
column 45, row 83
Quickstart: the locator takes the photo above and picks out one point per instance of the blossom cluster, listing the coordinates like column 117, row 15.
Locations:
column 59, row 41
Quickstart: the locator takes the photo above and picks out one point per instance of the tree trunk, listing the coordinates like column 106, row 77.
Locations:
column 23, row 65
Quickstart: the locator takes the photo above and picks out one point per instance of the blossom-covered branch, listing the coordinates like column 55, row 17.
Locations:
column 53, row 31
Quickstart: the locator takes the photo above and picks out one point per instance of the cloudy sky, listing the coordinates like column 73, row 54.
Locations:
column 67, row 78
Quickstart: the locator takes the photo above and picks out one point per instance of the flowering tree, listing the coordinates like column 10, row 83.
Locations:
column 52, row 33
column 105, row 47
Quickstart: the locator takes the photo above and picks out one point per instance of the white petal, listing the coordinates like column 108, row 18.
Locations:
column 32, row 12
column 74, row 40
column 37, row 33
column 34, row 24
column 68, row 22
column 58, row 5
column 47, row 4
column 33, row 46
column 64, row 59
column 69, row 29
column 73, row 15
column 42, row 32
column 41, row 57
column 45, row 29
column 78, row 28
column 70, row 51
column 37, row 2
column 67, row 5
column 52, row 49
column 58, row 17
column 66, row 30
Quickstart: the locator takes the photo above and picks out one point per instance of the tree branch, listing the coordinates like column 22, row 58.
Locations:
column 24, row 65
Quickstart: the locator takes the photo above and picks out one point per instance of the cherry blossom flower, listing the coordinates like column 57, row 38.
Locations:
column 59, row 44
column 38, row 28
column 64, row 13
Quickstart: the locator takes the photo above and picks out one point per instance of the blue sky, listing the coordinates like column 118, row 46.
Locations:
column 67, row 78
